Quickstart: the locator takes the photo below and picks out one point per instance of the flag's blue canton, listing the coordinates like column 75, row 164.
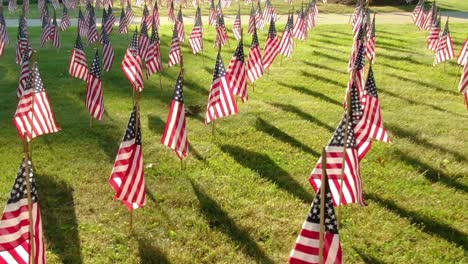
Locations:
column 122, row 15
column 80, row 15
column 331, row 225
column 145, row 11
column 360, row 59
column 339, row 134
column 105, row 37
column 78, row 43
column 134, row 43
column 178, row 91
column 174, row 33
column 132, row 129
column 35, row 81
column 254, row 39
column 240, row 52
column 95, row 68
column 371, row 89
column 219, row 70
column 144, row 30
column 154, row 33
column 272, row 29
column 446, row 29
column 179, row 16
column 19, row 190
column 356, row 106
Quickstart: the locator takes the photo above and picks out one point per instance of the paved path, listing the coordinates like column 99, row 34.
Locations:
column 382, row 18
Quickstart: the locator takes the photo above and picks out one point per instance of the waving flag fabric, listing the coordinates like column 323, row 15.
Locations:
column 444, row 49
column 78, row 67
column 237, row 72
column 254, row 62
column 174, row 51
column 94, row 92
column 272, row 47
column 196, row 37
column 153, row 56
column 131, row 64
column 65, row 21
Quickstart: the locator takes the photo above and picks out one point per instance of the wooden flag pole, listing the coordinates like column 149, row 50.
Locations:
column 28, row 190
column 322, row 204
column 32, row 109
column 346, row 135
column 160, row 80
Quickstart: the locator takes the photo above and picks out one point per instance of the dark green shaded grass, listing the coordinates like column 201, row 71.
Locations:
column 244, row 193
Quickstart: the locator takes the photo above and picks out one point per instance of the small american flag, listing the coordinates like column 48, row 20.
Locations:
column 221, row 32
column 110, row 20
column 108, row 52
column 54, row 32
column 463, row 86
column 254, row 62
column 212, row 18
column 270, row 11
column 34, row 115
column 143, row 41
column 12, row 6
column 180, row 26
column 444, row 50
column 356, row 17
column 106, row 23
column 23, row 40
column 252, row 20
column 287, row 40
column 417, row 9
column 65, row 21
column 78, row 67
column 24, row 74
column 92, row 34
column 433, row 36
column 171, row 12
column 351, row 189
column 46, row 29
column 174, row 51
column 4, row 39
column 128, row 174
column 429, row 18
column 463, row 56
column 307, row 247
column 312, row 14
column 237, row 27
column 82, row 25
column 15, row 238
column 237, row 72
column 147, row 18
column 357, row 77
column 108, row 3
column 272, row 47
column 370, row 50
column 259, row 17
column 175, row 131
column 153, row 56
column 25, row 7
column 196, row 37
column 129, row 15
column 94, row 92
column 420, row 17
column 370, row 126
column 131, row 64
column 123, row 22
column 221, row 101
column 300, row 27
column 156, row 18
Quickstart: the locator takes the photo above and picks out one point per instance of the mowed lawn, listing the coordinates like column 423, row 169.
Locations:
column 243, row 193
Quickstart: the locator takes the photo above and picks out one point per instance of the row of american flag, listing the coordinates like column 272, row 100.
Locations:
column 440, row 42
column 34, row 116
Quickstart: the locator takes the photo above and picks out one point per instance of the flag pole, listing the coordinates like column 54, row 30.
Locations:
column 32, row 107
column 322, row 203
column 28, row 190
column 345, row 140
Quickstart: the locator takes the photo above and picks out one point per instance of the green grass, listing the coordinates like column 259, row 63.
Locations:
column 281, row 6
column 244, row 193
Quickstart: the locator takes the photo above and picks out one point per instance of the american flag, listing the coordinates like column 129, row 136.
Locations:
column 420, row 17
column 417, row 9
column 463, row 56
column 350, row 184
column 54, row 32
column 259, row 17
column 156, row 18
column 312, row 14
column 4, row 39
column 147, row 18
column 129, row 15
column 287, row 40
column 94, row 92
column 221, row 32
column 463, row 86
column 143, row 42
column 22, row 39
column 110, row 20
column 357, row 68
column 430, row 17
column 78, row 67
column 88, row 8
column 272, row 47
column 237, row 27
column 221, row 101
column 254, row 62
column 15, row 238
column 212, row 18
column 92, row 34
column 252, row 22
column 25, row 7
column 82, row 24
column 65, row 21
column 300, row 27
column 196, row 37
column 237, row 72
column 444, row 50
column 34, row 115
column 433, row 36
column 12, row 6
column 307, row 247
column 108, row 53
column 370, row 48
column 175, row 131
column 153, row 56
column 46, row 30
column 123, row 22
column 106, row 23
column 174, row 51
column 108, row 3
column 24, row 74
column 226, row 3
column 370, row 126
column 180, row 26
column 131, row 64
column 171, row 12
column 270, row 12
column 128, row 174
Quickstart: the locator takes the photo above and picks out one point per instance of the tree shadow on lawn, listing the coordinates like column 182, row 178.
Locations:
column 367, row 259
column 432, row 174
column 323, row 79
column 407, row 59
column 266, row 168
column 424, row 84
column 219, row 219
column 424, row 223
column 318, row 66
column 156, row 124
column 59, row 218
column 303, row 115
column 330, row 57
column 303, row 90
column 149, row 253
column 271, row 130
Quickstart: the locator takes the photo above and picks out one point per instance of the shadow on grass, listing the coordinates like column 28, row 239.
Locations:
column 367, row 259
column 432, row 174
column 266, row 168
column 330, row 57
column 424, row 223
column 318, row 66
column 403, row 133
column 150, row 254
column 303, row 90
column 303, row 115
column 424, row 84
column 407, row 59
column 59, row 218
column 156, row 124
column 219, row 219
column 269, row 129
